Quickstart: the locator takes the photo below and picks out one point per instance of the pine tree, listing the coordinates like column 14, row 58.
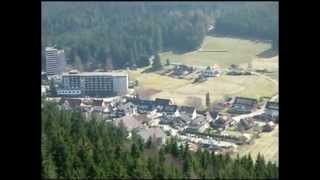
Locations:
column 207, row 99
column 53, row 89
column 260, row 167
column 168, row 62
column 156, row 65
column 149, row 143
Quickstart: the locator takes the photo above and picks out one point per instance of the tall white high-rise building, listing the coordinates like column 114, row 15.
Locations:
column 55, row 61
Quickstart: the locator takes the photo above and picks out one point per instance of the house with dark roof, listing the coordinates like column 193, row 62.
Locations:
column 181, row 69
column 161, row 103
column 223, row 121
column 167, row 119
column 170, row 110
column 145, row 106
column 246, row 123
column 272, row 109
column 244, row 105
column 200, row 124
column 188, row 110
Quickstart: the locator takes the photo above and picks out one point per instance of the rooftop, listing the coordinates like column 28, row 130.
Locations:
column 272, row 105
column 245, row 101
column 163, row 102
column 187, row 109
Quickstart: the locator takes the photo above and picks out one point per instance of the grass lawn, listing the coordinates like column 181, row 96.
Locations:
column 180, row 89
column 271, row 64
column 238, row 51
column 267, row 145
column 248, row 86
column 156, row 81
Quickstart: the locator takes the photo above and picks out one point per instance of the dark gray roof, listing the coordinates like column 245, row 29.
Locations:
column 272, row 105
column 163, row 102
column 170, row 108
column 187, row 109
column 245, row 101
column 185, row 117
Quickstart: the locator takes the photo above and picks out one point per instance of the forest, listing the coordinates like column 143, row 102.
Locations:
column 72, row 147
column 122, row 34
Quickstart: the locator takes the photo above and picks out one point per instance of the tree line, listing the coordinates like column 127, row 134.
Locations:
column 127, row 34
column 72, row 147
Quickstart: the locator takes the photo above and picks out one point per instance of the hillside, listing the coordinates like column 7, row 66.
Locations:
column 128, row 33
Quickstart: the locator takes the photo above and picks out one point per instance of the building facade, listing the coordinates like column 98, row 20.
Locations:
column 94, row 84
column 55, row 61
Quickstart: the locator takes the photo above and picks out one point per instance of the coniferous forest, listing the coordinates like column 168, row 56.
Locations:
column 76, row 148
column 129, row 33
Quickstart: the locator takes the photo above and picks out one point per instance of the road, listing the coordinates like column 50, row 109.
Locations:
column 243, row 116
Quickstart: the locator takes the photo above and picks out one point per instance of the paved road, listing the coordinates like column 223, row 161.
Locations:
column 238, row 118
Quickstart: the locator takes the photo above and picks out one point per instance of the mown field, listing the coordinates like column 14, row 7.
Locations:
column 179, row 89
column 266, row 145
column 239, row 51
column 271, row 64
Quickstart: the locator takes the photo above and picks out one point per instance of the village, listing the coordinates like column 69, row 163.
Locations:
column 223, row 126
column 238, row 120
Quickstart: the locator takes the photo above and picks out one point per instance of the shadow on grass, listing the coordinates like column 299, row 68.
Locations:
column 269, row 53
column 151, row 70
column 242, row 37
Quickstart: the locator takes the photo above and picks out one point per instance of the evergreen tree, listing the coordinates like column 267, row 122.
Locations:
column 168, row 62
column 260, row 167
column 156, row 65
column 207, row 99
column 53, row 89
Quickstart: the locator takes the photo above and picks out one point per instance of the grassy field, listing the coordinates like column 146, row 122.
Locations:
column 156, row 81
column 179, row 89
column 239, row 51
column 271, row 64
column 266, row 145
column 222, row 86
